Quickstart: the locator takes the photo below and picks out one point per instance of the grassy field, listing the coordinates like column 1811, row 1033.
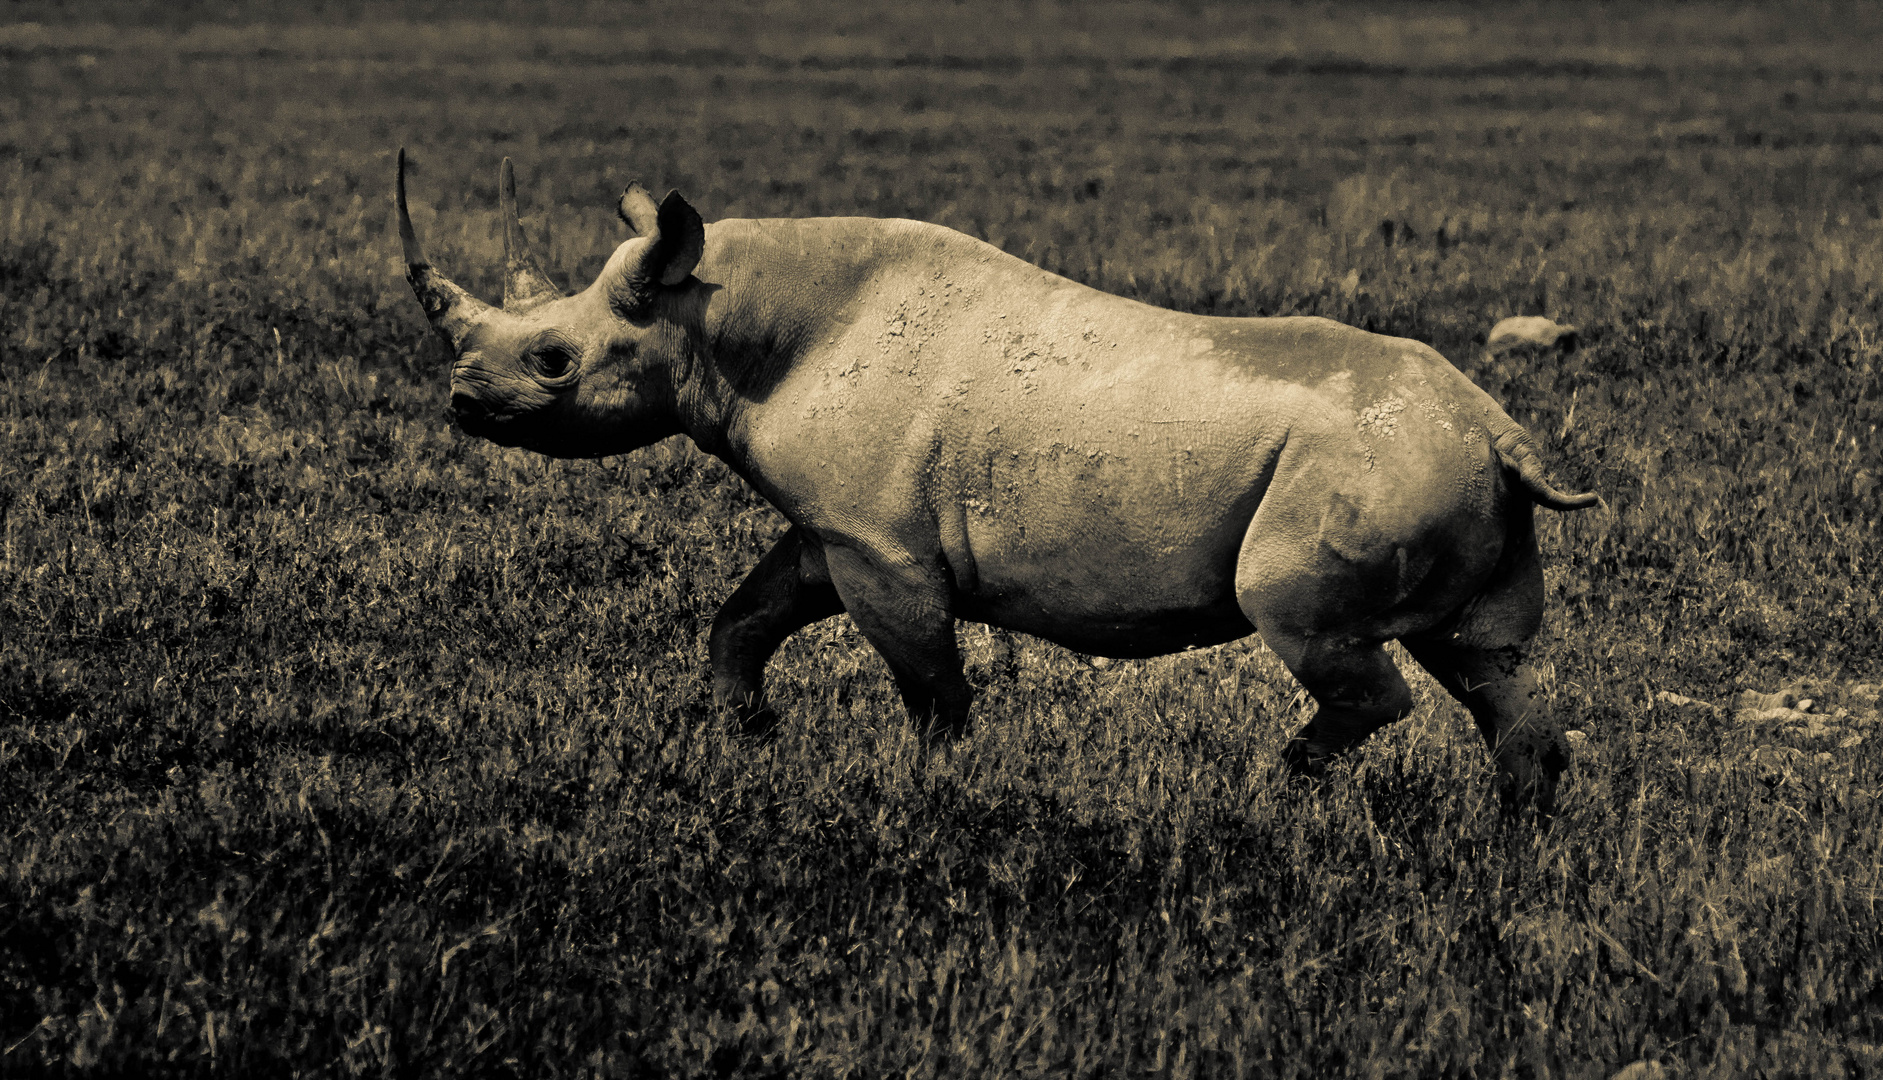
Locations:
column 334, row 742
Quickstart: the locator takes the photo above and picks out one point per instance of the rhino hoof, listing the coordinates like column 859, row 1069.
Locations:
column 1523, row 801
column 1305, row 759
column 942, row 733
column 760, row 724
column 1535, row 793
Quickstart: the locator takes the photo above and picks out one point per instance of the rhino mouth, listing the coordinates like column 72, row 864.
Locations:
column 474, row 418
column 513, row 432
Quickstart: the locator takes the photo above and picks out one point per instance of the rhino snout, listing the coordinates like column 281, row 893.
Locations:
column 467, row 407
column 474, row 416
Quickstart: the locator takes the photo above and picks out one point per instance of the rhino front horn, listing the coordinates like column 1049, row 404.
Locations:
column 524, row 284
column 452, row 311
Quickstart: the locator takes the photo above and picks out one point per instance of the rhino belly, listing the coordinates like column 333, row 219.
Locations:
column 1124, row 635
column 1107, row 591
column 1114, row 545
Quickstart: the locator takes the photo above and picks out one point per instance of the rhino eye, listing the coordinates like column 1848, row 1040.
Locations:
column 553, row 362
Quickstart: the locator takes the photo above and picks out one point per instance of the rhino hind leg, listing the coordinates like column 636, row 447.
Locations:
column 788, row 590
column 1328, row 580
column 1480, row 656
column 1501, row 692
column 1324, row 602
column 904, row 613
column 1356, row 689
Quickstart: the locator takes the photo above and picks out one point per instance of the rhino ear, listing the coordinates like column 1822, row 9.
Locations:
column 679, row 240
column 676, row 237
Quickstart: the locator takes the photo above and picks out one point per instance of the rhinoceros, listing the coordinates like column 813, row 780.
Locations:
column 955, row 434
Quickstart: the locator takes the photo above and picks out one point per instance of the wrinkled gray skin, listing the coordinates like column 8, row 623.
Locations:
column 956, row 434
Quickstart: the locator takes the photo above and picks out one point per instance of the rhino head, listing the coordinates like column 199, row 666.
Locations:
column 582, row 375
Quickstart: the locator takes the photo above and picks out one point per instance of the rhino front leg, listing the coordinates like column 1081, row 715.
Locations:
column 788, row 590
column 905, row 614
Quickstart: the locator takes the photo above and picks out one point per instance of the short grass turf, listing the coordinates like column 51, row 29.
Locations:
column 333, row 742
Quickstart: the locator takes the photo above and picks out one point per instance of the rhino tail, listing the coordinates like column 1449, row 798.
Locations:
column 1518, row 453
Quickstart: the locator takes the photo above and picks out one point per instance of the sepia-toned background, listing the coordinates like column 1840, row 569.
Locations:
column 334, row 740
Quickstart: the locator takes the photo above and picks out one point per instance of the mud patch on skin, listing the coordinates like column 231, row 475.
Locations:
column 1479, row 480
column 917, row 320
column 1381, row 418
column 1440, row 415
column 1025, row 352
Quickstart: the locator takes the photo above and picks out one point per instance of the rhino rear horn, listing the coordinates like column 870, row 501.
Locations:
column 524, row 284
column 676, row 238
column 452, row 311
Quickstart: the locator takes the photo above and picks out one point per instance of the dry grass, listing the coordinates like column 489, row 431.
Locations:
column 334, row 742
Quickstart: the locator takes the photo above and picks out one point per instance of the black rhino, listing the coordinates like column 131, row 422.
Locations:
column 956, row 434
